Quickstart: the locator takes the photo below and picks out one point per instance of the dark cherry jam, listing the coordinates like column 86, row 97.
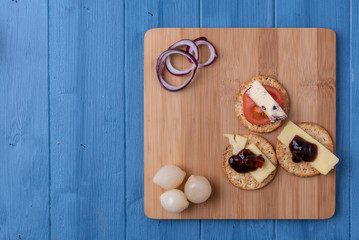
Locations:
column 246, row 161
column 303, row 150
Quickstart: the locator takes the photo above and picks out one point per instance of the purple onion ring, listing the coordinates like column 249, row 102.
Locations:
column 160, row 65
column 204, row 41
column 189, row 44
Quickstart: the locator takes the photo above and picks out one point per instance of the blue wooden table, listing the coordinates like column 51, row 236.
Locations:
column 71, row 124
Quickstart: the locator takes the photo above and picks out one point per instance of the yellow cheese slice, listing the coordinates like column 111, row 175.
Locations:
column 238, row 142
column 325, row 160
column 261, row 173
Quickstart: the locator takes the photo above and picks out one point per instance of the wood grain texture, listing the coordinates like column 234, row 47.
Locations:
column 335, row 15
column 186, row 128
column 24, row 174
column 237, row 14
column 141, row 16
column 87, row 119
column 354, row 113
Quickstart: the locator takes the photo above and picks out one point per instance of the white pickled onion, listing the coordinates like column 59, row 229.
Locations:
column 169, row 177
column 160, row 64
column 174, row 201
column 197, row 189
column 204, row 41
column 189, row 44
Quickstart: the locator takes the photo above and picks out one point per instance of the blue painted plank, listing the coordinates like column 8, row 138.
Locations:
column 332, row 14
column 140, row 17
column 232, row 13
column 86, row 43
column 354, row 115
column 24, row 174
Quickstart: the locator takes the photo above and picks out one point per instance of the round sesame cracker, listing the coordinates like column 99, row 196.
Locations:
column 245, row 180
column 303, row 169
column 239, row 104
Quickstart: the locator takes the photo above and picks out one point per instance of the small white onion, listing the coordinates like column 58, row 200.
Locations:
column 197, row 189
column 169, row 177
column 174, row 201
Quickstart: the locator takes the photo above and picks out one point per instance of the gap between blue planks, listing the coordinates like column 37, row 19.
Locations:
column 354, row 114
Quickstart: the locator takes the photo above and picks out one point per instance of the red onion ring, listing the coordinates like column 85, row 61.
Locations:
column 189, row 44
column 204, row 41
column 160, row 65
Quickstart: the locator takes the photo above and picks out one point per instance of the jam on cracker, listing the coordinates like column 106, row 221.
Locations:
column 303, row 150
column 246, row 161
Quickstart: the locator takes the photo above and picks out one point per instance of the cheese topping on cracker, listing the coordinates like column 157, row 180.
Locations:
column 325, row 160
column 261, row 173
column 266, row 102
column 238, row 142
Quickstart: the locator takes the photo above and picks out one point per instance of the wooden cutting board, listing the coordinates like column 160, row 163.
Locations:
column 186, row 128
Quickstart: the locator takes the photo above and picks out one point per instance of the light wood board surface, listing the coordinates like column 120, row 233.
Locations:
column 186, row 128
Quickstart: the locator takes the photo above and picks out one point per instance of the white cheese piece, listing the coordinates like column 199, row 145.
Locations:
column 266, row 102
column 238, row 142
column 325, row 160
column 267, row 168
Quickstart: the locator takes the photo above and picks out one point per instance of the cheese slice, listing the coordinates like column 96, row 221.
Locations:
column 267, row 168
column 266, row 102
column 238, row 142
column 325, row 160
